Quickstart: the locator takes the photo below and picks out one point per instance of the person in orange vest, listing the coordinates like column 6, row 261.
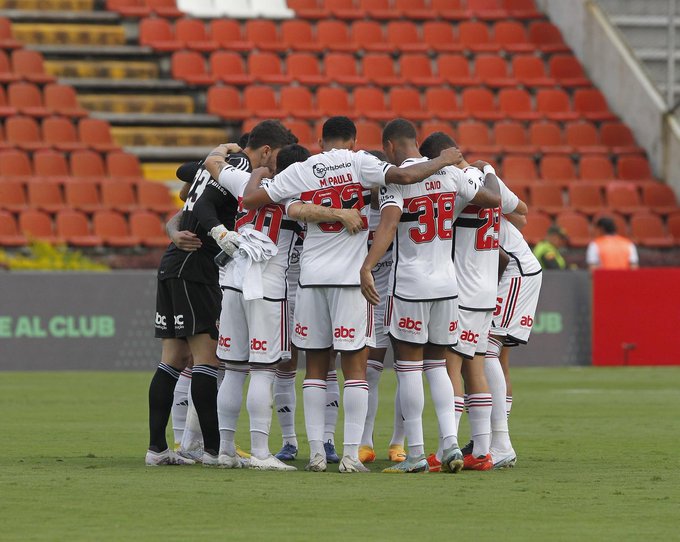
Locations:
column 609, row 250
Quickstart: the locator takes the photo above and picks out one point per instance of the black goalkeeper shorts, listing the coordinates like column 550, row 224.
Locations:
column 185, row 308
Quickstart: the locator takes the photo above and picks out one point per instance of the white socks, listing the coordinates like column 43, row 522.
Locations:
column 508, row 403
column 398, row 435
column 314, row 399
column 500, row 437
column 479, row 414
column 259, row 405
column 441, row 390
column 192, row 428
column 373, row 372
column 460, row 407
column 229, row 398
column 412, row 399
column 285, row 401
column 332, row 406
column 180, row 404
column 355, row 405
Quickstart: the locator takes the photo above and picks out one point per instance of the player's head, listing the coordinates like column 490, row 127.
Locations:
column 186, row 173
column 557, row 236
column 265, row 141
column 243, row 140
column 605, row 226
column 338, row 133
column 291, row 154
column 399, row 140
column 435, row 143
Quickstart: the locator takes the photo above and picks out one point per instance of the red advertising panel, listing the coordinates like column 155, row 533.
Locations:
column 636, row 316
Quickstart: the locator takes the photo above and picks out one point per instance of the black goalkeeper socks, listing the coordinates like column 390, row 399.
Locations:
column 161, row 392
column 204, row 395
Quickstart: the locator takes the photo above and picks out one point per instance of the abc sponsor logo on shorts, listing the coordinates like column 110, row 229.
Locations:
column 469, row 336
column 224, row 342
column 256, row 345
column 179, row 321
column 453, row 326
column 526, row 321
column 300, row 330
column 343, row 332
column 161, row 321
column 408, row 324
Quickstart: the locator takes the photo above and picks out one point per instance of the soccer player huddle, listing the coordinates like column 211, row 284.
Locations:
column 344, row 253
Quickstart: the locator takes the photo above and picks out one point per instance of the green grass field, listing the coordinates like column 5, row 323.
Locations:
column 598, row 460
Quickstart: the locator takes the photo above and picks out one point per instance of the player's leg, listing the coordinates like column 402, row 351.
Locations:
column 374, row 368
column 180, row 405
column 505, row 365
column 285, row 402
column 332, row 410
column 502, row 452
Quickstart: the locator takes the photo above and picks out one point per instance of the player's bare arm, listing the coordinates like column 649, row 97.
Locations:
column 254, row 196
column 216, row 161
column 422, row 170
column 489, row 195
column 516, row 219
column 183, row 240
column 309, row 212
column 184, row 192
column 383, row 238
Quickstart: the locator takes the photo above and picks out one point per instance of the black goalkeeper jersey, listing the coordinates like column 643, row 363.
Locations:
column 208, row 205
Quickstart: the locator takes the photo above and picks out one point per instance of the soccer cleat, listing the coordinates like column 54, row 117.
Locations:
column 396, row 453
column 287, row 453
column 331, row 454
column 504, row 461
column 366, row 454
column 452, row 460
column 409, row 465
column 226, row 461
column 483, row 462
column 242, row 453
column 317, row 463
column 210, row 460
column 467, row 449
column 194, row 451
column 166, row 457
column 351, row 465
column 271, row 463
column 433, row 463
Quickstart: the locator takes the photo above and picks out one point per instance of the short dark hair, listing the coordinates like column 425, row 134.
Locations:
column 380, row 155
column 435, row 143
column 339, row 128
column 607, row 225
column 243, row 140
column 291, row 154
column 398, row 129
column 272, row 133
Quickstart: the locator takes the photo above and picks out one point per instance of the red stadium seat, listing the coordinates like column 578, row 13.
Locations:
column 519, row 170
column 547, row 198
column 13, row 196
column 73, row 226
column 369, row 135
column 674, row 227
column 512, row 137
column 586, row 197
column 521, row 9
column 369, row 102
column 113, row 229
column 512, row 37
column 583, row 136
column 333, row 101
column 29, row 65
column 302, row 131
column 50, row 165
column 226, row 102
column 475, row 137
column 487, row 9
column 62, row 99
column 591, row 104
column 158, row 34
column 405, row 102
column 536, row 228
column 193, row 34
column 480, row 104
column 230, row 68
column 342, row 68
column 229, row 35
column 648, row 231
column 623, row 198
column 530, row 71
column 264, row 34
column 634, row 168
column 596, row 169
column 554, row 104
column 24, row 132
column 82, row 196
column 45, row 196
column 27, row 99
column 60, row 133
column 334, row 36
column 619, row 138
column 129, row 8
column 96, row 133
column 266, row 68
column 492, row 70
column 304, row 68
column 299, row 36
column 379, row 69
column 455, row 70
column 6, row 74
column 660, row 198
column 567, row 70
column 260, row 101
column 368, row 35
column 5, row 109
column 344, row 9
column 577, row 228
column 149, row 229
column 474, row 35
column 124, row 167
column 37, row 225
column 403, row 36
column 298, row 102
column 119, row 197
column 308, row 9
column 7, row 40
column 15, row 165
column 439, row 36
column 9, row 234
column 87, row 165
column 515, row 103
column 430, row 126
column 452, row 10
column 155, row 197
column 379, row 9
column 557, row 169
column 548, row 137
column 547, row 37
column 164, row 8
column 189, row 66
column 417, row 70
column 415, row 9
column 442, row 102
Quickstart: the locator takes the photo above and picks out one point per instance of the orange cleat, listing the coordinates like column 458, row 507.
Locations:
column 396, row 453
column 434, row 463
column 366, row 454
column 483, row 462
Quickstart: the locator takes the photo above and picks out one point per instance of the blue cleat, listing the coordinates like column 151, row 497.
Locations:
column 287, row 453
column 331, row 454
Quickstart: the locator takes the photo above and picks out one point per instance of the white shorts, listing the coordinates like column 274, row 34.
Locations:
column 474, row 332
column 337, row 317
column 421, row 322
column 255, row 331
column 381, row 276
column 516, row 307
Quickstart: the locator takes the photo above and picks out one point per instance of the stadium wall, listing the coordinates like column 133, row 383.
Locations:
column 612, row 66
column 104, row 321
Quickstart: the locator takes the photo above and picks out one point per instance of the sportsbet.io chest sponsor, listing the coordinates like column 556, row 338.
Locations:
column 57, row 327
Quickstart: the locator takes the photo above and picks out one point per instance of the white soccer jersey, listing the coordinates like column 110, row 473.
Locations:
column 270, row 220
column 423, row 269
column 341, row 179
column 522, row 260
column 476, row 247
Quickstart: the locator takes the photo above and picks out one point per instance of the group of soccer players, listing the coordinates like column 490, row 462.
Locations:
column 345, row 252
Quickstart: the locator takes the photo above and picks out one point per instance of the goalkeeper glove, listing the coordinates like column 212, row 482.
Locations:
column 227, row 240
